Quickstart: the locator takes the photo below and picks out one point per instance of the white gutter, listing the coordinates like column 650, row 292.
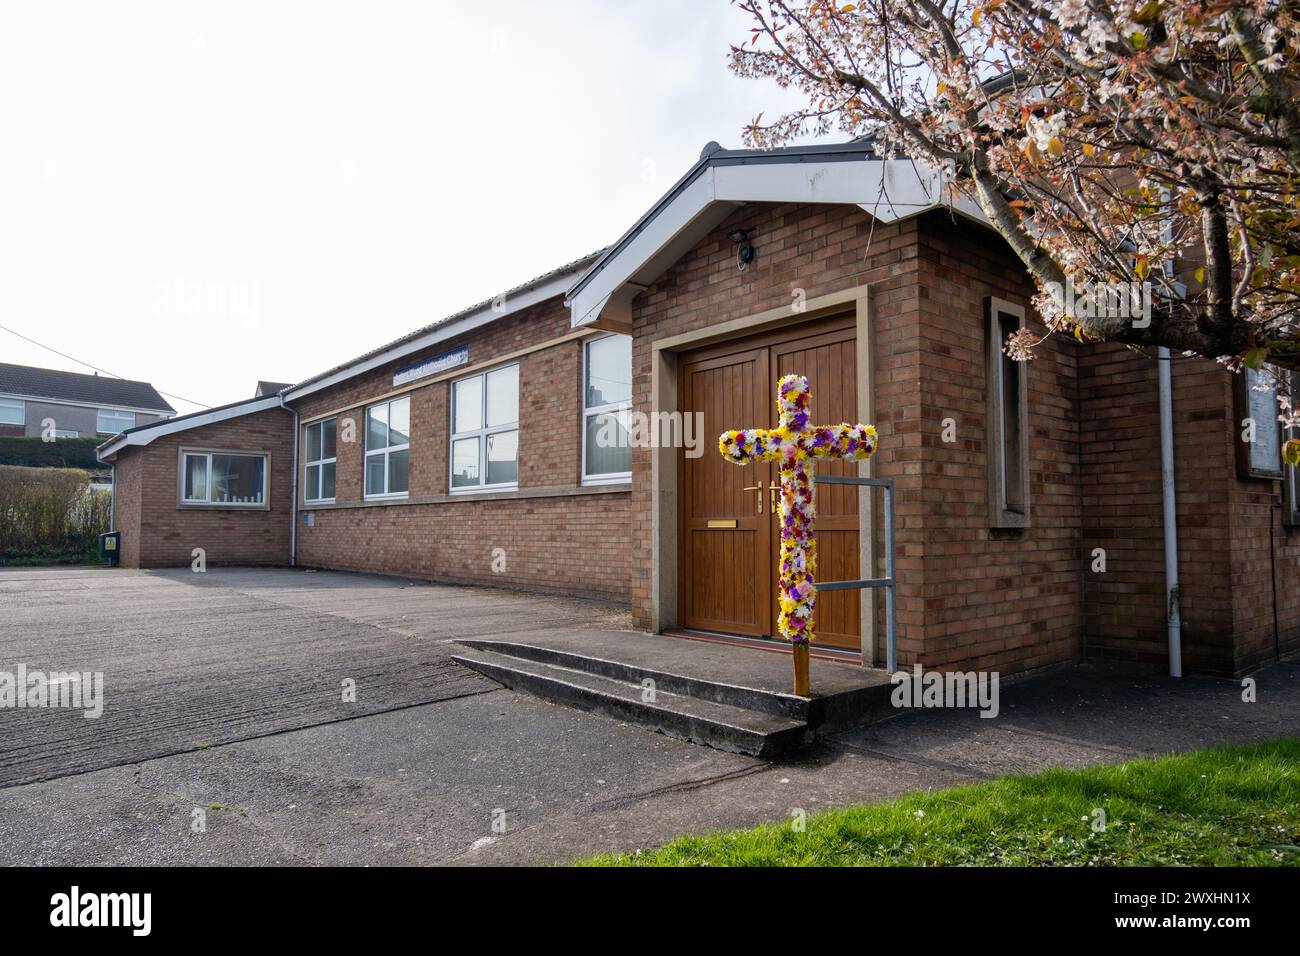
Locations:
column 43, row 400
column 144, row 434
column 1169, row 496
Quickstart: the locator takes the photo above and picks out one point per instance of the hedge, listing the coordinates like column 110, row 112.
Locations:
column 35, row 452
column 50, row 515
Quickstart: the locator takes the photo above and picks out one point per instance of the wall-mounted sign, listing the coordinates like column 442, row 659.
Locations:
column 309, row 519
column 431, row 366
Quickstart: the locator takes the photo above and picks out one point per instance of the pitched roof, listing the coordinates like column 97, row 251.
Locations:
column 28, row 381
column 270, row 388
column 498, row 306
column 724, row 180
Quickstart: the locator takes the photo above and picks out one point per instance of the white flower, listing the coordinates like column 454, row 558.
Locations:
column 1045, row 129
column 1071, row 13
column 1108, row 88
column 1099, row 33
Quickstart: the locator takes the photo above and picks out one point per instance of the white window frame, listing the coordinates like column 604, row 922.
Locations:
column 207, row 502
column 116, row 412
column 1002, row 515
column 386, row 451
column 66, row 433
column 22, row 411
column 588, row 411
column 482, row 433
column 322, row 462
column 1291, row 473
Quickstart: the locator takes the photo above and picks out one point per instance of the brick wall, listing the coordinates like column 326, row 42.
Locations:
column 127, row 472
column 1230, row 568
column 1265, row 573
column 966, row 596
column 553, row 534
column 158, row 532
column 819, row 249
column 999, row 599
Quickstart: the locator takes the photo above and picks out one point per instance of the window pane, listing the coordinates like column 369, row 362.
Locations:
column 398, row 465
column 313, row 482
column 503, row 397
column 1265, row 453
column 196, row 478
column 375, row 474
column 502, row 458
column 313, row 443
column 609, row 370
column 11, row 412
column 377, row 427
column 608, row 450
column 1013, row 476
column 327, row 480
column 464, row 463
column 237, row 479
column 399, row 422
column 110, row 422
column 328, row 445
column 468, row 405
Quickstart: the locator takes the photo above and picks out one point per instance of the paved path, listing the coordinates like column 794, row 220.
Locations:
column 421, row 771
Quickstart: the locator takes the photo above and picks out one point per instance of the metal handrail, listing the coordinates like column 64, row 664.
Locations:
column 888, row 581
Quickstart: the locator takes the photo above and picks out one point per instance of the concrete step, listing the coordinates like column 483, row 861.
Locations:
column 736, row 695
column 724, row 726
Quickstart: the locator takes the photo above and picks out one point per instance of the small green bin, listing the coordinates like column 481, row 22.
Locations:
column 110, row 547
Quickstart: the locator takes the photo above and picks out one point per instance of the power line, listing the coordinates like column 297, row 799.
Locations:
column 179, row 398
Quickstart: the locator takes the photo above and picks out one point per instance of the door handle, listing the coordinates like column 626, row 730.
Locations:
column 759, row 488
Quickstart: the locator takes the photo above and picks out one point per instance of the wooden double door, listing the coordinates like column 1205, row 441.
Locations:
column 729, row 534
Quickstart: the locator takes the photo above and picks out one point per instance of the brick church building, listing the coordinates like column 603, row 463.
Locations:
column 1030, row 528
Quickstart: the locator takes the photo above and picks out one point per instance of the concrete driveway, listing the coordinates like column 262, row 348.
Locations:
column 225, row 737
column 195, row 660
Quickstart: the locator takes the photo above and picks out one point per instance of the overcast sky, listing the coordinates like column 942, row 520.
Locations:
column 200, row 195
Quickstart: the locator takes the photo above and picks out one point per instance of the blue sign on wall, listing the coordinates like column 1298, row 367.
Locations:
column 431, row 366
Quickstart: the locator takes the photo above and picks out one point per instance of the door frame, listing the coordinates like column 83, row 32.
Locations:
column 664, row 358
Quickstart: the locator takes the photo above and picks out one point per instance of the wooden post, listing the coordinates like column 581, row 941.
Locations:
column 801, row 670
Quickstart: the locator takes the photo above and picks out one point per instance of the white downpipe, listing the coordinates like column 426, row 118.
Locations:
column 293, row 490
column 1170, row 500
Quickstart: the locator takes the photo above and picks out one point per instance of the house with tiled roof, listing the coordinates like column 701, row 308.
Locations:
column 36, row 401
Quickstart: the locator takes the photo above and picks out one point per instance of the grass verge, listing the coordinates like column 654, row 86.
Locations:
column 1222, row 807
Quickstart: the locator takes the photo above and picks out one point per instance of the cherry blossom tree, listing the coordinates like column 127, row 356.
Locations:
column 1111, row 143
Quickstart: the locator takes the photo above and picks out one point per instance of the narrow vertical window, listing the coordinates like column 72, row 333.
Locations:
column 320, row 461
column 388, row 448
column 1291, row 473
column 606, row 409
column 1008, row 420
column 485, row 431
column 1259, row 450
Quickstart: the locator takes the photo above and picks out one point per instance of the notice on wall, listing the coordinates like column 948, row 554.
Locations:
column 431, row 366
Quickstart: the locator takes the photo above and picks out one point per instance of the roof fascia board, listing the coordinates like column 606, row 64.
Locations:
column 145, row 434
column 888, row 189
column 823, row 152
column 512, row 304
column 673, row 222
column 45, row 399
